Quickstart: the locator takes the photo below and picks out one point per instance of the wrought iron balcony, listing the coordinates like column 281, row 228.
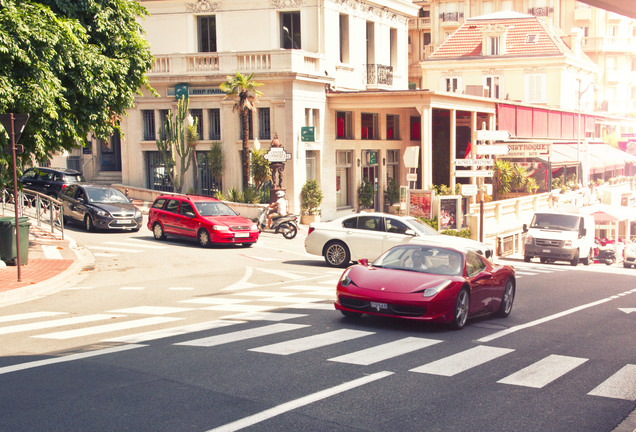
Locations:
column 379, row 74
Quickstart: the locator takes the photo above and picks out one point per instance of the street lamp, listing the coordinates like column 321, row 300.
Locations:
column 578, row 140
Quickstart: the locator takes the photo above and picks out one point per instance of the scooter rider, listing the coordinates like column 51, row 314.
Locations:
column 277, row 209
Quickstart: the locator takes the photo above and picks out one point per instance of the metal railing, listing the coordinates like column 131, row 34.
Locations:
column 379, row 74
column 35, row 205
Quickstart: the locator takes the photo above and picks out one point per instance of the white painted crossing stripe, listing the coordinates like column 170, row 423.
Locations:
column 173, row 331
column 263, row 316
column 543, row 372
column 243, row 335
column 295, row 346
column 55, row 323
column 132, row 288
column 116, row 249
column 300, row 402
column 240, row 308
column 284, row 274
column 282, row 299
column 262, row 294
column 151, row 310
column 136, row 243
column 385, row 351
column 68, row 358
column 125, row 325
column 29, row 315
column 312, row 306
column 621, row 385
column 51, row 252
column 215, row 300
column 462, row 361
column 305, row 287
column 181, row 288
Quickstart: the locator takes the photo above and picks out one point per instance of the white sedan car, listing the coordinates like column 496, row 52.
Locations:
column 630, row 255
column 367, row 235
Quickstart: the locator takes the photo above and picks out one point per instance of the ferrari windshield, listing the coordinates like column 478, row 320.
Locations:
column 423, row 259
column 213, row 208
column 561, row 222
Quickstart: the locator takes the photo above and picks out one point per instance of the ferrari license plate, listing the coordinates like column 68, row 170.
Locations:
column 241, row 235
column 378, row 306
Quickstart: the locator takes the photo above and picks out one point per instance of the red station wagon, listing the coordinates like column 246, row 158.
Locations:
column 204, row 218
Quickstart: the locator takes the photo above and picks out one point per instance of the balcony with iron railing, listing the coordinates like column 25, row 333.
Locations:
column 229, row 62
column 420, row 23
column 378, row 75
column 451, row 17
column 608, row 44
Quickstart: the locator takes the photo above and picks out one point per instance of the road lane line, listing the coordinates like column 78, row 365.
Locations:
column 543, row 372
column 55, row 323
column 89, row 331
column 173, row 331
column 460, row 362
column 311, row 342
column 68, row 358
column 242, row 335
column 109, row 248
column 621, row 385
column 29, row 315
column 385, row 351
column 263, row 316
column 300, row 402
column 151, row 310
column 541, row 321
column 137, row 243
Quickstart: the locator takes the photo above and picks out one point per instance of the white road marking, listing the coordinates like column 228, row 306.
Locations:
column 460, row 362
column 281, row 299
column 314, row 306
column 243, row 335
column 263, row 316
column 102, row 254
column 283, row 274
column 173, row 331
column 29, row 315
column 385, row 351
column 215, row 300
column 89, row 331
column 543, row 372
column 55, row 323
column 240, row 308
column 181, row 289
column 300, row 402
column 541, row 321
column 262, row 294
column 68, row 358
column 243, row 282
column 137, row 243
column 109, row 248
column 295, row 346
column 151, row 310
column 51, row 252
column 621, row 385
column 132, row 288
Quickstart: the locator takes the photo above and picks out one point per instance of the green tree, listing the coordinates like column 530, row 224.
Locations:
column 172, row 143
column 215, row 162
column 244, row 88
column 74, row 67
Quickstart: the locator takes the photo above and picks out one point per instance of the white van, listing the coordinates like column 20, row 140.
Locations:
column 560, row 237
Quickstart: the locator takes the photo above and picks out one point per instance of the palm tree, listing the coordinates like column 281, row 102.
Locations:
column 243, row 87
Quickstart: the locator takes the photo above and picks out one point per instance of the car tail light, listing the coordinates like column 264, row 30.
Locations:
column 310, row 229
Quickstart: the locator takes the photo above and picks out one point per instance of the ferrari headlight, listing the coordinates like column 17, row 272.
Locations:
column 344, row 279
column 220, row 228
column 430, row 292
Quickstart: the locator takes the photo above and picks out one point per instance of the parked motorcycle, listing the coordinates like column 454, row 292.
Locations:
column 605, row 254
column 285, row 225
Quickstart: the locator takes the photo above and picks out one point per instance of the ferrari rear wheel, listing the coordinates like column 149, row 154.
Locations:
column 506, row 300
column 350, row 314
column 460, row 315
column 337, row 254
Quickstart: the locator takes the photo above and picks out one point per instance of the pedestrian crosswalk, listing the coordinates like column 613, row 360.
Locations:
column 115, row 248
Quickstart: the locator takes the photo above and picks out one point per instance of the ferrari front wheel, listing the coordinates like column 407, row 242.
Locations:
column 506, row 300
column 460, row 315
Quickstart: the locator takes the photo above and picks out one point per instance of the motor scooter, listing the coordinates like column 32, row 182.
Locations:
column 605, row 254
column 285, row 225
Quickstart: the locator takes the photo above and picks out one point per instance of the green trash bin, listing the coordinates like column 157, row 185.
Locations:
column 8, row 250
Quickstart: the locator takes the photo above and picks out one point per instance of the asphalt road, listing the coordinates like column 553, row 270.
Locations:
column 166, row 336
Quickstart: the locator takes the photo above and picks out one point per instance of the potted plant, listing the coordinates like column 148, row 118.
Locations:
column 311, row 197
column 391, row 195
column 366, row 194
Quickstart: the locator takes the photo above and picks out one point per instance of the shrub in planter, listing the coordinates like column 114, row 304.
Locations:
column 311, row 197
column 366, row 194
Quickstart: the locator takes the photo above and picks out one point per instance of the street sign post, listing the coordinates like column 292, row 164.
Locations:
column 492, row 135
column 494, row 149
column 474, row 162
column 474, row 173
column 529, row 150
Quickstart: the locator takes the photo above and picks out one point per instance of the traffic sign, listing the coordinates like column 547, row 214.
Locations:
column 411, row 177
column 474, row 162
column 474, row 173
column 469, row 190
column 493, row 149
column 492, row 135
column 529, row 150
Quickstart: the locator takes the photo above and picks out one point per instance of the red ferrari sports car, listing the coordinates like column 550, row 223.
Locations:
column 429, row 283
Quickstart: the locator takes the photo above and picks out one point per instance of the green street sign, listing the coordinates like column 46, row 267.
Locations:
column 308, row 133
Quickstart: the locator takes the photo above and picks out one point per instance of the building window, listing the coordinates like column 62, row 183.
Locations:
column 532, row 38
column 198, row 115
column 451, row 84
column 149, row 124
column 392, row 127
column 157, row 173
column 344, row 178
column 492, row 45
column 312, row 118
column 393, row 165
column 534, row 88
column 393, row 48
column 492, row 87
column 415, row 128
column 163, row 122
column 344, row 125
column 311, row 164
column 264, row 129
column 344, row 38
column 207, row 33
column 214, row 118
column 290, row 30
column 369, row 126
column 249, row 125
column 426, row 38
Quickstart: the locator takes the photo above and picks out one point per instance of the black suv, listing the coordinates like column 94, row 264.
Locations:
column 50, row 181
